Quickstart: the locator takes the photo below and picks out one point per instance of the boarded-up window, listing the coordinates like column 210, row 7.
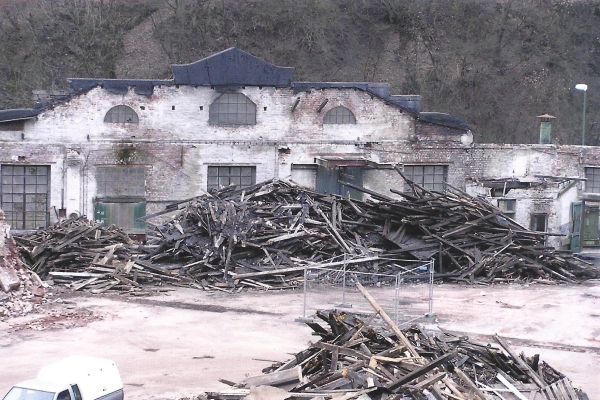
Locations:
column 121, row 197
column 25, row 190
column 222, row 176
column 232, row 109
column 339, row 115
column 121, row 114
column 121, row 181
column 432, row 177
column 592, row 185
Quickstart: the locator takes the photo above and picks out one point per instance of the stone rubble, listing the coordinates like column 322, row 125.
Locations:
column 21, row 290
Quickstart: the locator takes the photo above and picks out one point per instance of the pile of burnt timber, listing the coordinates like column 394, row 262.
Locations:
column 83, row 254
column 264, row 235
column 355, row 357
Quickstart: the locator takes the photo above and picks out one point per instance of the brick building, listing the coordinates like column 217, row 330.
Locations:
column 121, row 149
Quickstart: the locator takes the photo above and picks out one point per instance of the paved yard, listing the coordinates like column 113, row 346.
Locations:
column 179, row 344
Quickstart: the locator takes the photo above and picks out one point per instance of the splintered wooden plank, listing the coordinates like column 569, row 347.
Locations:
column 84, row 283
column 76, row 274
column 421, row 371
column 387, row 320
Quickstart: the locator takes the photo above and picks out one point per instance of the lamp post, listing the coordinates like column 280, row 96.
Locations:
column 583, row 88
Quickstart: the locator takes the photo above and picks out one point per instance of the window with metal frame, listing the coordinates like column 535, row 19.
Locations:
column 592, row 185
column 508, row 207
column 232, row 109
column 121, row 114
column 222, row 176
column 25, row 190
column 432, row 177
column 339, row 115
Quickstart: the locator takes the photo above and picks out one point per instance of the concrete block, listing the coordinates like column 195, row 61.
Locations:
column 9, row 280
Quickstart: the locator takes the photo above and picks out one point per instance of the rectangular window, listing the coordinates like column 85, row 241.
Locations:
column 538, row 222
column 120, row 181
column 508, row 207
column 222, row 176
column 592, row 185
column 24, row 195
column 432, row 177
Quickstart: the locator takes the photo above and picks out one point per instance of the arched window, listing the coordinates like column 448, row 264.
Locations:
column 232, row 109
column 339, row 115
column 121, row 115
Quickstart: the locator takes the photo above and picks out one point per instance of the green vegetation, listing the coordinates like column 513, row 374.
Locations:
column 495, row 64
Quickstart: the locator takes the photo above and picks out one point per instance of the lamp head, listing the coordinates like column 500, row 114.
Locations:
column 581, row 86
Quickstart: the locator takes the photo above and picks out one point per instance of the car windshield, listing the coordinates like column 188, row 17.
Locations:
column 17, row 393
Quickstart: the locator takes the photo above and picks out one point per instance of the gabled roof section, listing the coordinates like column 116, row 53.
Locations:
column 18, row 114
column 232, row 67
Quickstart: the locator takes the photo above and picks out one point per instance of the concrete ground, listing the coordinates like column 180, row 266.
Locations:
column 180, row 344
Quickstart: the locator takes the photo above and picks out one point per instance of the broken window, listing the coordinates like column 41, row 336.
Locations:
column 222, row 176
column 592, row 185
column 508, row 207
column 232, row 109
column 121, row 197
column 339, row 115
column 121, row 115
column 538, row 222
column 25, row 191
column 432, row 177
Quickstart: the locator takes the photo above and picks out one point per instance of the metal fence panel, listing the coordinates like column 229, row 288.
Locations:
column 406, row 296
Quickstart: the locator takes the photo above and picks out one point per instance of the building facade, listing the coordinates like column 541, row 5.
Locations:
column 121, row 149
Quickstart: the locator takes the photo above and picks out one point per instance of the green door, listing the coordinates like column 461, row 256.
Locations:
column 590, row 226
column 123, row 215
column 576, row 209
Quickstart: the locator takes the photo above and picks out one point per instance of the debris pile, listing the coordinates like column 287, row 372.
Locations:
column 355, row 357
column 265, row 235
column 21, row 291
column 83, row 254
column 271, row 231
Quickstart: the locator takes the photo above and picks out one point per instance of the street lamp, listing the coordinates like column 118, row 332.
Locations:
column 583, row 88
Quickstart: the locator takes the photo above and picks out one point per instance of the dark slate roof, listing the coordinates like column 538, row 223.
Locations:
column 443, row 119
column 144, row 87
column 232, row 67
column 18, row 114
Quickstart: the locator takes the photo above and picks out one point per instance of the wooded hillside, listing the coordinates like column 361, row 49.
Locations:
column 495, row 64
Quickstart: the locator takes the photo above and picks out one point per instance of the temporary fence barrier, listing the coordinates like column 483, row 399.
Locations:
column 406, row 296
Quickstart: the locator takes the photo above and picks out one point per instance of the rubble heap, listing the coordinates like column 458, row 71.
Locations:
column 354, row 357
column 270, row 231
column 21, row 291
column 83, row 254
column 265, row 235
